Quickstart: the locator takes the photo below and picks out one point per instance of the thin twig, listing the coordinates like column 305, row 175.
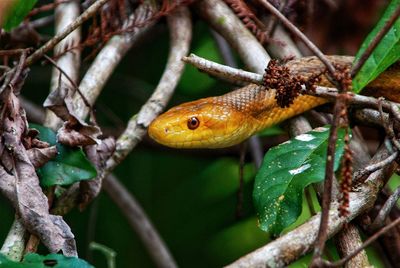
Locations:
column 385, row 210
column 233, row 75
column 46, row 7
column 272, row 23
column 74, row 85
column 57, row 38
column 364, row 245
column 373, row 44
column 111, row 54
column 358, row 175
column 10, row 52
column 328, row 182
column 299, row 34
column 223, row 71
column 235, row 33
column 55, row 65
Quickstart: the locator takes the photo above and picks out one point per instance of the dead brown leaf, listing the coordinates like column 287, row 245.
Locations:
column 97, row 154
column 75, row 131
column 40, row 156
column 20, row 184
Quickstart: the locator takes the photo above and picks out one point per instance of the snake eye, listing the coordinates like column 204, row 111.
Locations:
column 193, row 123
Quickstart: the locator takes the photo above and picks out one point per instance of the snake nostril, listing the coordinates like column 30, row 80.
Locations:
column 166, row 130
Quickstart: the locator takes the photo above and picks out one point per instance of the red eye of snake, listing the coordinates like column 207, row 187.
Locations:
column 193, row 123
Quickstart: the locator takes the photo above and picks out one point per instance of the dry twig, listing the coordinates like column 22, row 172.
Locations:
column 57, row 38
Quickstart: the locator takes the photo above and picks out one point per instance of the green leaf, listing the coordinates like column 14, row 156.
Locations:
column 69, row 166
column 16, row 13
column 34, row 260
column 385, row 54
column 287, row 169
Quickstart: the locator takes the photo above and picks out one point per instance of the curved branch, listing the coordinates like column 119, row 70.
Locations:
column 65, row 14
column 139, row 221
column 180, row 35
column 296, row 243
column 227, row 24
column 110, row 55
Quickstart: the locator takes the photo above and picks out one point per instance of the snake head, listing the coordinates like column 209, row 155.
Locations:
column 201, row 124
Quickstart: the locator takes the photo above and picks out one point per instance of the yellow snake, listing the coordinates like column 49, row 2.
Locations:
column 226, row 120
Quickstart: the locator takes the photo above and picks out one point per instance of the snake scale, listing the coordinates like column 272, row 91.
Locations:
column 222, row 121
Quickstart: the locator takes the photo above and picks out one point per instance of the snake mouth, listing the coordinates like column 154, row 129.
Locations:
column 163, row 135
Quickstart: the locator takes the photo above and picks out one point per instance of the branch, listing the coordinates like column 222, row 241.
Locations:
column 255, row 147
column 224, row 72
column 284, row 47
column 65, row 14
column 234, row 75
column 58, row 37
column 111, row 54
column 33, row 112
column 385, row 210
column 180, row 35
column 227, row 24
column 365, row 244
column 299, row 34
column 348, row 241
column 294, row 244
column 14, row 244
column 128, row 204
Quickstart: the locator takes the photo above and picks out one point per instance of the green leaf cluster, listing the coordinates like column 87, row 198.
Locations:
column 17, row 13
column 385, row 54
column 34, row 260
column 69, row 166
column 287, row 169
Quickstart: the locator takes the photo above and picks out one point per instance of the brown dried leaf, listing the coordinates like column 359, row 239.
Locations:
column 7, row 185
column 30, row 140
column 57, row 101
column 21, row 186
column 97, row 154
column 40, row 156
column 75, row 132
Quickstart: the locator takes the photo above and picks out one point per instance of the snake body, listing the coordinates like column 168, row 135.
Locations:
column 226, row 120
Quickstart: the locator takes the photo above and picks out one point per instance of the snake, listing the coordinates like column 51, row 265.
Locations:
column 229, row 119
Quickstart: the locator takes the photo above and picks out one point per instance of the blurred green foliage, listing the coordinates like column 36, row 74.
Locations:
column 16, row 13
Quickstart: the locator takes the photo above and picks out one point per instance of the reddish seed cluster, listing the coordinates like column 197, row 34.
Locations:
column 313, row 80
column 343, row 75
column 287, row 87
column 249, row 18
